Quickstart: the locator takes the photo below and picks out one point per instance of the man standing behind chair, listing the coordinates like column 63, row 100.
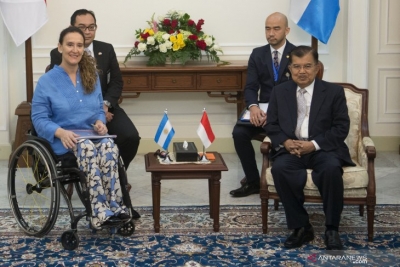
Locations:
column 118, row 122
column 307, row 122
column 266, row 68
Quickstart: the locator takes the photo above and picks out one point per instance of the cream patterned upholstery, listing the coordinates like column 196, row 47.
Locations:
column 359, row 181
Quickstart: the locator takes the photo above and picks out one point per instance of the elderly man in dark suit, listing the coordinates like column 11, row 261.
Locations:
column 118, row 122
column 267, row 67
column 308, row 121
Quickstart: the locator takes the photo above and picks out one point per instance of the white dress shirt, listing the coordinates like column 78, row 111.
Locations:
column 304, row 126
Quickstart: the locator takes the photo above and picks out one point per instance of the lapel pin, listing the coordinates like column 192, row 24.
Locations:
column 287, row 74
column 287, row 56
column 100, row 53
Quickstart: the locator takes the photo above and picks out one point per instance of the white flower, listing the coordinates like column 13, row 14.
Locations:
column 142, row 47
column 186, row 34
column 208, row 41
column 151, row 40
column 166, row 36
column 163, row 48
column 161, row 18
column 181, row 13
column 215, row 47
column 168, row 44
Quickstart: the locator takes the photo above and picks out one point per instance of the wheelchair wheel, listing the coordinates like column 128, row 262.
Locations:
column 70, row 240
column 127, row 229
column 33, row 191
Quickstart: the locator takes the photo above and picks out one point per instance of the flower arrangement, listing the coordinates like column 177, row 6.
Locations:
column 174, row 36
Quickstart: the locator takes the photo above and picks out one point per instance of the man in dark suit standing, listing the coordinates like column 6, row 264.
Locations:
column 308, row 121
column 118, row 122
column 267, row 67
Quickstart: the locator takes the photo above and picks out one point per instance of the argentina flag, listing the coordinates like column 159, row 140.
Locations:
column 317, row 17
column 164, row 133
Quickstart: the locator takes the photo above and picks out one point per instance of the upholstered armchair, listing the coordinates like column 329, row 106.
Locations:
column 359, row 181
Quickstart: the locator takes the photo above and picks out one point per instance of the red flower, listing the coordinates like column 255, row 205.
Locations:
column 136, row 43
column 144, row 35
column 193, row 37
column 174, row 23
column 201, row 44
column 167, row 22
column 191, row 22
column 171, row 31
column 199, row 24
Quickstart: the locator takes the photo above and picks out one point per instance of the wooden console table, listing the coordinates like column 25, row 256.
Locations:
column 226, row 81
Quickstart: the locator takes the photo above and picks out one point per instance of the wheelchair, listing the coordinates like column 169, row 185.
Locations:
column 36, row 177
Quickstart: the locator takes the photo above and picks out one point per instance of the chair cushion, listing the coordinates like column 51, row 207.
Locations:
column 354, row 105
column 355, row 181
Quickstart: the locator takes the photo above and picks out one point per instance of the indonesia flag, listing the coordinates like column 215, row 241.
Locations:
column 317, row 17
column 205, row 132
column 23, row 18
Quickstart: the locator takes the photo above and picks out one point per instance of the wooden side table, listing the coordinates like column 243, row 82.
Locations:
column 211, row 171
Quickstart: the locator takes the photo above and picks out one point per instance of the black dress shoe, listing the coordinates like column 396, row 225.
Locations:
column 124, row 216
column 246, row 190
column 332, row 240
column 135, row 214
column 299, row 237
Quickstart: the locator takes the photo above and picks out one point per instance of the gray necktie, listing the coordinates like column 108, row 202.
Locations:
column 88, row 51
column 301, row 111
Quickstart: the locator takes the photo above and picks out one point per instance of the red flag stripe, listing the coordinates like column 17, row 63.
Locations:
column 207, row 127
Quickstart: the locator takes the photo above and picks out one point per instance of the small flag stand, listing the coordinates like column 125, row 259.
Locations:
column 164, row 135
column 206, row 134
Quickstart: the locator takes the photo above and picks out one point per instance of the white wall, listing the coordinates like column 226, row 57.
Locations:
column 238, row 27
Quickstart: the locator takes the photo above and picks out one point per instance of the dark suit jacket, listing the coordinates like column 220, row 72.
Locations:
column 329, row 120
column 260, row 74
column 109, row 72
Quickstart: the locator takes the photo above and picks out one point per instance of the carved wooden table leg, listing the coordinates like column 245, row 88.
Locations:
column 156, row 193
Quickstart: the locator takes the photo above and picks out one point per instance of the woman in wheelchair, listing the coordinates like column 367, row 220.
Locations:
column 69, row 97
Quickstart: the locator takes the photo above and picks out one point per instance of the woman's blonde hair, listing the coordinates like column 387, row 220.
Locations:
column 87, row 65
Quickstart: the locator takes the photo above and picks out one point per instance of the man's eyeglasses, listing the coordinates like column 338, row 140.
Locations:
column 306, row 67
column 90, row 27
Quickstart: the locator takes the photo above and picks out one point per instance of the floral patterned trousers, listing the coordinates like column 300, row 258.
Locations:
column 98, row 159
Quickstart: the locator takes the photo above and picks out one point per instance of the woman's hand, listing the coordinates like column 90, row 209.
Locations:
column 100, row 127
column 68, row 138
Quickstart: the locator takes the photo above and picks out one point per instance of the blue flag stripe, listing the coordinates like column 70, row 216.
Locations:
column 319, row 18
column 160, row 129
column 169, row 138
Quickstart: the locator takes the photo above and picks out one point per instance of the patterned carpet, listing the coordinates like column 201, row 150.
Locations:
column 186, row 239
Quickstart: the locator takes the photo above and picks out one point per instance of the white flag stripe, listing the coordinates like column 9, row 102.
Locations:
column 23, row 18
column 164, row 135
column 201, row 131
column 297, row 10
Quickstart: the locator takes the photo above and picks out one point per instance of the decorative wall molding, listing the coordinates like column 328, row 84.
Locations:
column 388, row 95
column 389, row 35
